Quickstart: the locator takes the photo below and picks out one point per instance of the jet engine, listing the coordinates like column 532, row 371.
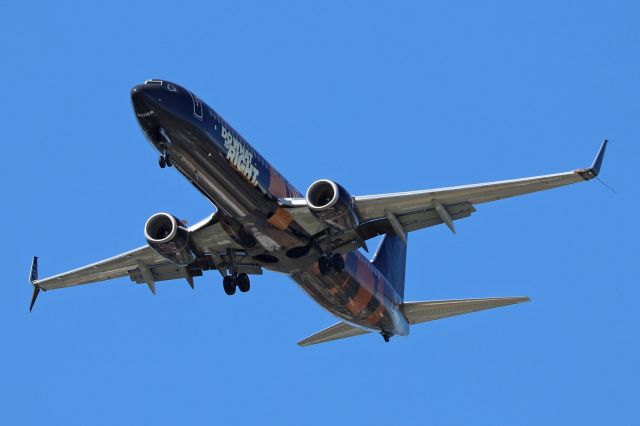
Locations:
column 331, row 203
column 169, row 238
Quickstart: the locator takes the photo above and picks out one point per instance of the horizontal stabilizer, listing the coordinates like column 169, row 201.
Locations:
column 337, row 331
column 417, row 312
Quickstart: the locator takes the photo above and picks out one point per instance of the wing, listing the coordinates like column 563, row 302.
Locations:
column 211, row 245
column 447, row 201
column 409, row 211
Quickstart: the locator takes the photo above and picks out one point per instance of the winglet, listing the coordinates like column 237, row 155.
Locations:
column 594, row 170
column 33, row 277
column 597, row 162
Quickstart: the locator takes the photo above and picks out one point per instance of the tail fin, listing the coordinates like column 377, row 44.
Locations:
column 390, row 259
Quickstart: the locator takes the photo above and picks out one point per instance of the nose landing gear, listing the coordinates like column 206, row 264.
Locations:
column 165, row 160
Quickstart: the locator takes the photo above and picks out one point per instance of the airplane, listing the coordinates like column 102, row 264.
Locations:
column 262, row 222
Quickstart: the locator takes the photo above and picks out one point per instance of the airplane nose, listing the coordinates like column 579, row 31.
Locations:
column 156, row 98
column 152, row 94
column 141, row 93
column 145, row 98
column 135, row 91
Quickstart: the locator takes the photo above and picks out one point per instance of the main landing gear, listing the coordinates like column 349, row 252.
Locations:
column 327, row 263
column 165, row 161
column 241, row 281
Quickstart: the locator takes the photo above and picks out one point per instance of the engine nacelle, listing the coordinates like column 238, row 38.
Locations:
column 331, row 203
column 169, row 238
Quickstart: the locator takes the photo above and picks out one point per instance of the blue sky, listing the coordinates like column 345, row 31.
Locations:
column 380, row 97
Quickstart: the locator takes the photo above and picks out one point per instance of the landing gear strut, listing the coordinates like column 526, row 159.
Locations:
column 241, row 281
column 329, row 261
column 386, row 336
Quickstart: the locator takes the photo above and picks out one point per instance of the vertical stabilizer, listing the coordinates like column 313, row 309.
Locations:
column 390, row 259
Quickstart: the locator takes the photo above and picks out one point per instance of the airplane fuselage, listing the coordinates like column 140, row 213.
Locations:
column 249, row 194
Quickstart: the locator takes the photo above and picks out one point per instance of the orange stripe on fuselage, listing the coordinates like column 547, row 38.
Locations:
column 376, row 315
column 281, row 219
column 335, row 290
column 360, row 301
column 366, row 282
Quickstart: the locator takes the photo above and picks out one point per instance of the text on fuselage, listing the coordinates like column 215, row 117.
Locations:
column 240, row 156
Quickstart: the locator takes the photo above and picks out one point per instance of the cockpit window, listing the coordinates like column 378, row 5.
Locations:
column 171, row 87
column 157, row 82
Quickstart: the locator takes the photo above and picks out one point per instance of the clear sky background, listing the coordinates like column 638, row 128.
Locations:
column 381, row 97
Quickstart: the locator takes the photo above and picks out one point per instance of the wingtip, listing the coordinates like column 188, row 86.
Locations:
column 594, row 170
column 516, row 299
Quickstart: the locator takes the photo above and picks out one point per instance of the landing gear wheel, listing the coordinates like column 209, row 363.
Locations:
column 337, row 261
column 229, row 285
column 167, row 160
column 324, row 265
column 162, row 162
column 243, row 282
